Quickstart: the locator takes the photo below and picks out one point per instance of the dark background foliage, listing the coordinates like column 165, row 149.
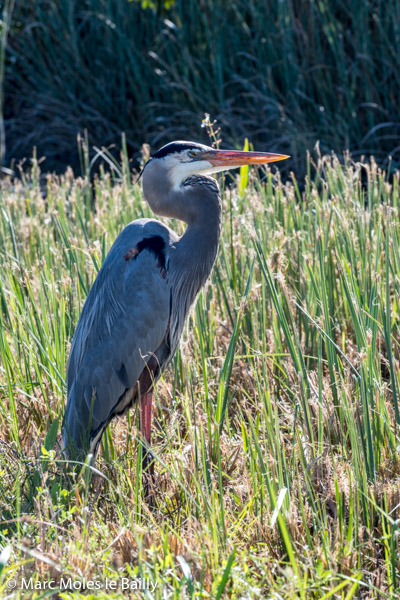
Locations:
column 283, row 73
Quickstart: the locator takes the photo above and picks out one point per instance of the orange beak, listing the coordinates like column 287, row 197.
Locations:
column 236, row 158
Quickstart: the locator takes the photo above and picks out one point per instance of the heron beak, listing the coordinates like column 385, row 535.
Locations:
column 235, row 158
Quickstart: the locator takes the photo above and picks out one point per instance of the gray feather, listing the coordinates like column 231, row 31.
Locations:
column 124, row 320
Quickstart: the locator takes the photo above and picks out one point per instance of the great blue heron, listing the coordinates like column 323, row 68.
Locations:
column 133, row 317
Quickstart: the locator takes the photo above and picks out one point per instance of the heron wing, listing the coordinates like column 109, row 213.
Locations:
column 123, row 322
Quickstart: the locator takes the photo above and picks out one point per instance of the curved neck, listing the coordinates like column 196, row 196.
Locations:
column 199, row 244
column 196, row 201
column 196, row 250
column 191, row 261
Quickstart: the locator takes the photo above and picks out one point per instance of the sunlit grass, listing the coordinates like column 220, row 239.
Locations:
column 277, row 426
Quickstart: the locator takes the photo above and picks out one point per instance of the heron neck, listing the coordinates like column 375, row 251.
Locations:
column 198, row 204
column 201, row 238
column 203, row 232
column 196, row 250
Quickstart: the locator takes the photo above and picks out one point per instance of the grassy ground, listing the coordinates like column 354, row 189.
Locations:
column 277, row 427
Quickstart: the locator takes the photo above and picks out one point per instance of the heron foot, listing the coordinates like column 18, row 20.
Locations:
column 148, row 477
column 145, row 426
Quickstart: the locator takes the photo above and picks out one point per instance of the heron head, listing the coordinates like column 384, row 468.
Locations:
column 181, row 159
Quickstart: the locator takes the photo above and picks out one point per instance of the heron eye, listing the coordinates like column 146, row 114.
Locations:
column 192, row 153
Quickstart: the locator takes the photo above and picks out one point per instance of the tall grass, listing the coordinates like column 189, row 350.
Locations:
column 277, row 428
column 283, row 73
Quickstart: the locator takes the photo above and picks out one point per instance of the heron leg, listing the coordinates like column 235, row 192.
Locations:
column 147, row 457
column 146, row 401
column 145, row 417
